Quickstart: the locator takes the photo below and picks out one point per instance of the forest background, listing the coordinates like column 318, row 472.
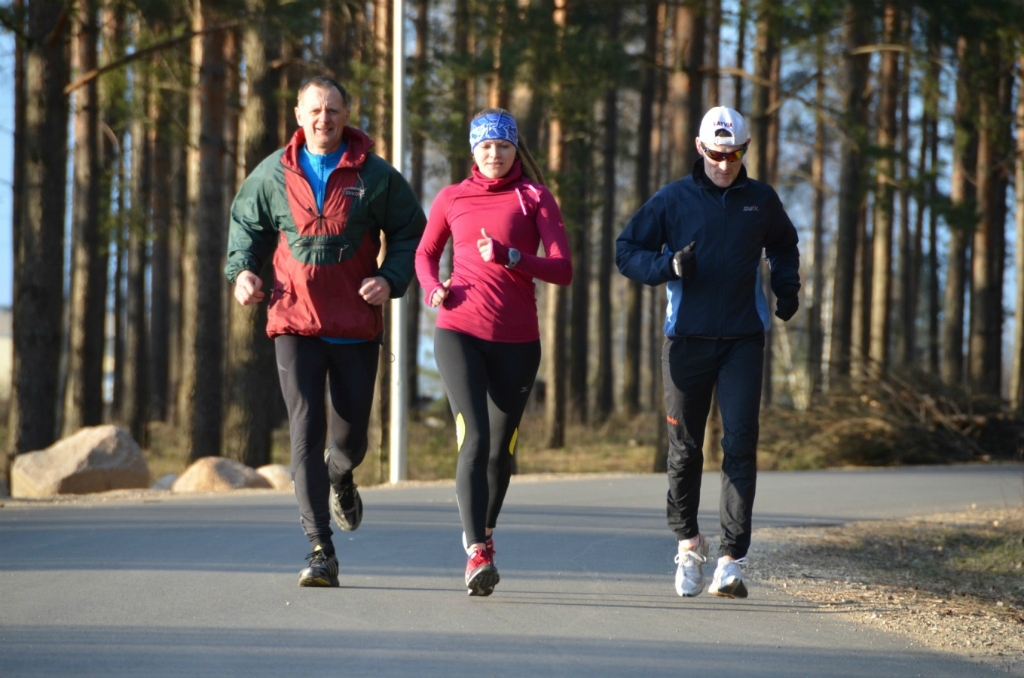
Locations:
column 893, row 130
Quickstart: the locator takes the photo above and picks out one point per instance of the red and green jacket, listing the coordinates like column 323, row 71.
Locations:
column 322, row 256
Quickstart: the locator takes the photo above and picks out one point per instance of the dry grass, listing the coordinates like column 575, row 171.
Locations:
column 951, row 582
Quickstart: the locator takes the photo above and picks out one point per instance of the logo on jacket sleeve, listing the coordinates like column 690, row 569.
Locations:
column 750, row 208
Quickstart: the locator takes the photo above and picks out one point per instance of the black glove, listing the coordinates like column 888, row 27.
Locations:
column 787, row 303
column 684, row 262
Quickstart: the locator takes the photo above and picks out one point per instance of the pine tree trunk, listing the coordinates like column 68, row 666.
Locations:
column 656, row 296
column 862, row 299
column 961, row 217
column 921, row 198
column 119, row 216
column 554, row 328
column 909, row 262
column 933, row 250
column 714, row 80
column 497, row 85
column 176, row 249
column 1017, row 370
column 136, row 385
column 419, row 102
column 179, row 104
column 160, row 254
column 336, row 38
column 989, row 244
column 114, row 95
column 381, row 127
column 686, row 86
column 855, row 77
column 578, row 224
column 84, row 395
column 741, row 53
column 202, row 367
column 605, row 374
column 252, row 368
column 881, row 280
column 39, row 259
column 816, row 339
column 759, row 157
column 634, row 296
column 234, row 158
column 459, row 161
column 8, row 446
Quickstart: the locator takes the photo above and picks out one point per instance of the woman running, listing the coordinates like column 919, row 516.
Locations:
column 487, row 341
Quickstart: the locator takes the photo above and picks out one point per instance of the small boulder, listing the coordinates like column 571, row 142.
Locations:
column 95, row 459
column 278, row 475
column 218, row 474
column 165, row 482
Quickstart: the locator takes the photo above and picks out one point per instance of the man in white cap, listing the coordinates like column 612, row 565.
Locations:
column 703, row 235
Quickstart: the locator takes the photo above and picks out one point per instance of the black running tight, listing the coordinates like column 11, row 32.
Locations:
column 303, row 365
column 488, row 384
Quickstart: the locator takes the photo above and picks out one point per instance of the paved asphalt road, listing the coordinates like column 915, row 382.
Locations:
column 206, row 586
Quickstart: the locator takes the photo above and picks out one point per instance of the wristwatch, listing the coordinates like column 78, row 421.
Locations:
column 513, row 258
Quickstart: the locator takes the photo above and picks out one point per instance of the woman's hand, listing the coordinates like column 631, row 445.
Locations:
column 486, row 246
column 440, row 294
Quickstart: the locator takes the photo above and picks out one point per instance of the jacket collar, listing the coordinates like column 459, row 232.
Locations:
column 514, row 176
column 359, row 145
column 701, row 178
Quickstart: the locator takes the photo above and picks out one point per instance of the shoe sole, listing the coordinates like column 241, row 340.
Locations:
column 483, row 581
column 319, row 582
column 340, row 519
column 734, row 590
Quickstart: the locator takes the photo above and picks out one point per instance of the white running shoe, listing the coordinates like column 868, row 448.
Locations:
column 689, row 575
column 728, row 579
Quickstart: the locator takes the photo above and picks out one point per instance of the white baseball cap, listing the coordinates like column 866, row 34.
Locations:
column 723, row 126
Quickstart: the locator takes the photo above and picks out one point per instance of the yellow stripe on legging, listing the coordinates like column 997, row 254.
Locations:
column 512, row 443
column 460, row 431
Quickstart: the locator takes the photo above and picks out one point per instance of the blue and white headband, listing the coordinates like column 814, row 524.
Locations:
column 493, row 126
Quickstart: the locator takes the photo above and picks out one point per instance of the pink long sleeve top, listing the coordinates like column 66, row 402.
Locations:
column 485, row 299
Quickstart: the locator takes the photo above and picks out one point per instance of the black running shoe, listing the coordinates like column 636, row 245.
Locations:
column 322, row 570
column 346, row 507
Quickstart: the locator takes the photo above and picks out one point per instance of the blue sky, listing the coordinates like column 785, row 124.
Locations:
column 6, row 164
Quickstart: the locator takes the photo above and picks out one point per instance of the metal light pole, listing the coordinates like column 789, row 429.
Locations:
column 399, row 387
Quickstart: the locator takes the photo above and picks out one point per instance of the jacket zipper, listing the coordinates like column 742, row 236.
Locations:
column 319, row 212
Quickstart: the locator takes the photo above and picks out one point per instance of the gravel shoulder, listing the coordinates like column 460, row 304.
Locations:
column 950, row 582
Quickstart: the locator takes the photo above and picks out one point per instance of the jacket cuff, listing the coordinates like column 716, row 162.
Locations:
column 233, row 270
column 394, row 292
column 787, row 291
column 500, row 253
column 430, row 293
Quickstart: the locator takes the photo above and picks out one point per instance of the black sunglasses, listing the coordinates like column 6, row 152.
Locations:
column 728, row 156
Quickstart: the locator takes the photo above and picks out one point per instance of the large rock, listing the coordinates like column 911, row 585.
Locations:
column 278, row 475
column 96, row 459
column 218, row 474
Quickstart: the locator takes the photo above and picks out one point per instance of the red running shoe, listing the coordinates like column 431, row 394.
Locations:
column 489, row 544
column 481, row 574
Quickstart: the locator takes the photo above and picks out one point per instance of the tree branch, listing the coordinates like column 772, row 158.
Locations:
column 86, row 78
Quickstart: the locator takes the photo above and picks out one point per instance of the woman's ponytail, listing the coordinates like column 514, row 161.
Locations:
column 531, row 170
